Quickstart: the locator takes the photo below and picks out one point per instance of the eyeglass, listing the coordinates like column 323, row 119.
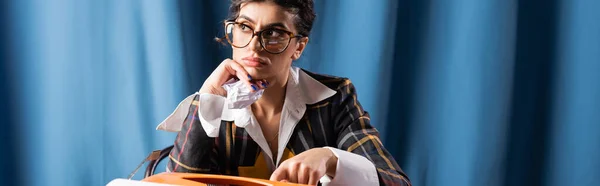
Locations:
column 273, row 40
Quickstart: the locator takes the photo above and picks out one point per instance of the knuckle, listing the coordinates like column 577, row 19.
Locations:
column 230, row 63
column 305, row 168
column 295, row 164
column 226, row 61
column 316, row 173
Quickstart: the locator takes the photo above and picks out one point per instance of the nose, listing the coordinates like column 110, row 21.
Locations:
column 255, row 44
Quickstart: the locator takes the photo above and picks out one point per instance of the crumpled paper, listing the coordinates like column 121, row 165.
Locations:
column 239, row 95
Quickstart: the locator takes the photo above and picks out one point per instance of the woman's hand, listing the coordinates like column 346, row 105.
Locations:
column 225, row 71
column 307, row 167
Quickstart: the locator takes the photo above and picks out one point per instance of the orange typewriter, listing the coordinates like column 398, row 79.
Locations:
column 168, row 178
column 210, row 180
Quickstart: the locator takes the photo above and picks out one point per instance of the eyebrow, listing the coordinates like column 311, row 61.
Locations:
column 271, row 25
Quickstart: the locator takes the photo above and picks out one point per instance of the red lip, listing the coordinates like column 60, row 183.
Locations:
column 253, row 61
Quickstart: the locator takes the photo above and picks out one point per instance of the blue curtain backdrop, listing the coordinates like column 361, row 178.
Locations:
column 464, row 92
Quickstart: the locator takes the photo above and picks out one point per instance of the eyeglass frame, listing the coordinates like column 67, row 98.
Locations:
column 258, row 34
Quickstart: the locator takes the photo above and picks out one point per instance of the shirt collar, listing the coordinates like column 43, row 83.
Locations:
column 301, row 89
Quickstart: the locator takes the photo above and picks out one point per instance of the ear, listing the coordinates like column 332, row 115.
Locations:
column 301, row 44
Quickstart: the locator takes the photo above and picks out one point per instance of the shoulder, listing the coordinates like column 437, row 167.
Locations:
column 335, row 83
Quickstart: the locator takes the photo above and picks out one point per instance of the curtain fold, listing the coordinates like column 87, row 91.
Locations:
column 92, row 80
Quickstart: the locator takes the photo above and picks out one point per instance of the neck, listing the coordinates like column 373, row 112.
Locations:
column 273, row 97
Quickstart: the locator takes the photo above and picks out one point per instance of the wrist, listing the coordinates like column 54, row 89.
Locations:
column 331, row 164
column 213, row 91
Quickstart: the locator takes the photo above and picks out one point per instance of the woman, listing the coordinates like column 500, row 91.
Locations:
column 304, row 127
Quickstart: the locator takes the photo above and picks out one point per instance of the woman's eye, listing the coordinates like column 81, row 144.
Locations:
column 273, row 33
column 244, row 27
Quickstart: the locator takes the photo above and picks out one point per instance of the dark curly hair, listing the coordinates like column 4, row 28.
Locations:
column 302, row 9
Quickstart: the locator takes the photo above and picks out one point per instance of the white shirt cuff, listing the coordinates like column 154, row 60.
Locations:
column 209, row 112
column 353, row 169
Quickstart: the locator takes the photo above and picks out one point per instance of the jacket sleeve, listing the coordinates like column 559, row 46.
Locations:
column 193, row 151
column 356, row 135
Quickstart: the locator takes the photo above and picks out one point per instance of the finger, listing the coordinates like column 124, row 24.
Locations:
column 259, row 84
column 312, row 181
column 303, row 174
column 241, row 73
column 292, row 172
column 237, row 70
column 229, row 71
column 279, row 174
column 262, row 84
column 315, row 176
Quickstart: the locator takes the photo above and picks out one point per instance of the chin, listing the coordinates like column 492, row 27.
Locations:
column 257, row 73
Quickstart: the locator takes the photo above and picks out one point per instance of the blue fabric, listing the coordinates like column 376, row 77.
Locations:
column 468, row 92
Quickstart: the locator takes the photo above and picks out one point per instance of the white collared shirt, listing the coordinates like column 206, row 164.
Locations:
column 301, row 90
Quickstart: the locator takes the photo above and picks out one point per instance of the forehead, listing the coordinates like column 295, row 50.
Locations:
column 265, row 13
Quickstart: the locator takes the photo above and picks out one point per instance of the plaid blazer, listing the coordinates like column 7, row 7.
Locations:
column 338, row 121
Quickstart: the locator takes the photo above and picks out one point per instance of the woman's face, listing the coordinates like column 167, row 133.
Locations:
column 259, row 63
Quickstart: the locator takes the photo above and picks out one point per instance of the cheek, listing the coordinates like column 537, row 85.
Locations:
column 236, row 54
column 284, row 59
column 282, row 66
